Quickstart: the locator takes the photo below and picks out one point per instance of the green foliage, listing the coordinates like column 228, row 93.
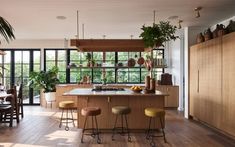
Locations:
column 6, row 30
column 157, row 34
column 46, row 80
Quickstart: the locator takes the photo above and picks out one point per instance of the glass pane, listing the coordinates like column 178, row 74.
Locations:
column 74, row 55
column 18, row 56
column 97, row 75
column 36, row 57
column 36, row 96
column 25, row 56
column 61, row 55
column 61, row 66
column 25, row 70
column 49, row 65
column 50, row 55
column 18, row 70
column 75, row 77
column 122, row 76
column 110, row 58
column 36, row 67
column 110, row 75
column 62, row 77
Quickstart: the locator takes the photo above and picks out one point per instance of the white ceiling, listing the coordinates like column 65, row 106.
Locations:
column 36, row 19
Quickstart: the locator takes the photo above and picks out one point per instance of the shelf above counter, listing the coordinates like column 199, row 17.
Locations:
column 116, row 67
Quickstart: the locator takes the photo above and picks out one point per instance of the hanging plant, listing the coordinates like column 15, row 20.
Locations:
column 156, row 35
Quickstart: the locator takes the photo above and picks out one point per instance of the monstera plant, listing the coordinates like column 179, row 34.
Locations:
column 156, row 35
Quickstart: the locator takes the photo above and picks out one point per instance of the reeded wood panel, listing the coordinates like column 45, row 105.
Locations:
column 193, row 78
column 173, row 99
column 228, row 102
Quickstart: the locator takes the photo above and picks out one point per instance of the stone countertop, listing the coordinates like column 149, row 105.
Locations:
column 126, row 92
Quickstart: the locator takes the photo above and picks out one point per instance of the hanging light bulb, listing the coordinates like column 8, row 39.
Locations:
column 197, row 10
column 179, row 24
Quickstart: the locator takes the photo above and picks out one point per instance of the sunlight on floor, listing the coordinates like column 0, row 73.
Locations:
column 19, row 145
column 69, row 136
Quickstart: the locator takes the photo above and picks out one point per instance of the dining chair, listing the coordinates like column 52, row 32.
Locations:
column 7, row 109
column 20, row 100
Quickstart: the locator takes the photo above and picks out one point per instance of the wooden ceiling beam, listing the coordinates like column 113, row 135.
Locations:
column 108, row 45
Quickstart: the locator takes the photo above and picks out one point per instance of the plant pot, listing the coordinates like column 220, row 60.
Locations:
column 49, row 96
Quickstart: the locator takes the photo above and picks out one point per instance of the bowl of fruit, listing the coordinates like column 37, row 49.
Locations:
column 136, row 89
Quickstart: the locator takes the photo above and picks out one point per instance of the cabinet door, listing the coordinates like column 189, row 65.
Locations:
column 173, row 98
column 209, row 59
column 228, row 101
column 102, row 102
column 194, row 79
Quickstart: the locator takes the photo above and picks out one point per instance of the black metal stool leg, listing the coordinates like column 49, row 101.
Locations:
column 114, row 128
column 83, row 130
column 148, row 131
column 61, row 118
column 67, row 119
column 97, row 132
column 72, row 117
column 163, row 130
column 128, row 131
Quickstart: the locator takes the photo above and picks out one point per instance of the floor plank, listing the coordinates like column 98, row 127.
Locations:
column 40, row 128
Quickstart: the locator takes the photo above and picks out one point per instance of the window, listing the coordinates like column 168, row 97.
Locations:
column 108, row 60
column 57, row 58
column 17, row 64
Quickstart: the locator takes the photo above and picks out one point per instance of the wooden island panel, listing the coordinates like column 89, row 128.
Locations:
column 106, row 100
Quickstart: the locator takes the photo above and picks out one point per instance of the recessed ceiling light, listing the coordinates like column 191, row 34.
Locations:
column 61, row 17
column 173, row 17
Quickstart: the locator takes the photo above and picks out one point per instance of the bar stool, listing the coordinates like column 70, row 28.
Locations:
column 93, row 112
column 67, row 105
column 122, row 111
column 155, row 113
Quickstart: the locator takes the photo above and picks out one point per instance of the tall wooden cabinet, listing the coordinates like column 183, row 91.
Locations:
column 212, row 77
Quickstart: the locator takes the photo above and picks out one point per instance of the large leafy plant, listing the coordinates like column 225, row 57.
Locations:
column 6, row 30
column 156, row 35
column 46, row 80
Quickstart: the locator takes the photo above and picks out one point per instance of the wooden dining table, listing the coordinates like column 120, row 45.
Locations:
column 3, row 96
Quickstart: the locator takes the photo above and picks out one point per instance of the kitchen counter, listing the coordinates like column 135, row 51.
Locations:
column 85, row 97
column 125, row 92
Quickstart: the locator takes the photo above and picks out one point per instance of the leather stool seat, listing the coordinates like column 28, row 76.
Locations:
column 91, row 111
column 66, row 104
column 154, row 112
column 121, row 110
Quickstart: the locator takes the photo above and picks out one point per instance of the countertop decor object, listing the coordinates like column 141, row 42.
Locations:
column 131, row 62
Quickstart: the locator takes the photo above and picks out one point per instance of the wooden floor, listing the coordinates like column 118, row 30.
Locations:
column 39, row 128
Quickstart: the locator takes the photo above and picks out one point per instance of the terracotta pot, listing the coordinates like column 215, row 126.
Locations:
column 200, row 38
column 231, row 27
column 221, row 30
column 147, row 82
column 152, row 84
column 208, row 34
column 215, row 32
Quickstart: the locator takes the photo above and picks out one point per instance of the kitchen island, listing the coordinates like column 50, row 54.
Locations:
column 106, row 99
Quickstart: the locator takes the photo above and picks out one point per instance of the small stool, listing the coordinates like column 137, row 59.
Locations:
column 123, row 111
column 66, row 105
column 93, row 112
column 154, row 113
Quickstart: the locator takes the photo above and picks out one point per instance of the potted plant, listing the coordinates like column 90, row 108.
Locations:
column 88, row 58
column 6, row 30
column 156, row 35
column 45, row 80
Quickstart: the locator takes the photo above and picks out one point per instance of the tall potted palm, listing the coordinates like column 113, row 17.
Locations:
column 45, row 80
column 6, row 30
